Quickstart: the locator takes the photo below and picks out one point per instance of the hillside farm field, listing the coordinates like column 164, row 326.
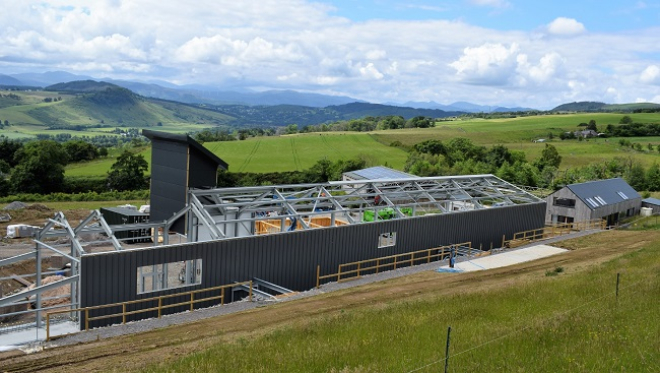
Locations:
column 299, row 152
column 555, row 314
column 278, row 153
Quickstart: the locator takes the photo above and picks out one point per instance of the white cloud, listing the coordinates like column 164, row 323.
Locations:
column 371, row 72
column 296, row 44
column 565, row 27
column 489, row 64
column 650, row 75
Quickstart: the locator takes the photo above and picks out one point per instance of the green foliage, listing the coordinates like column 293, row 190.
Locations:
column 653, row 178
column 626, row 119
column 8, row 149
column 40, row 168
column 73, row 197
column 127, row 173
column 549, row 157
column 636, row 177
column 80, row 151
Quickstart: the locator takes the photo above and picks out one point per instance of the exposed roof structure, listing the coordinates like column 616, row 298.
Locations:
column 596, row 194
column 185, row 139
column 297, row 205
column 376, row 173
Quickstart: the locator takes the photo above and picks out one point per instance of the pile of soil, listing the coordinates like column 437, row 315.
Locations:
column 16, row 205
column 56, row 292
column 39, row 207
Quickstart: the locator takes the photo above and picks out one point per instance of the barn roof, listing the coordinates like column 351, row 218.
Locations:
column 596, row 194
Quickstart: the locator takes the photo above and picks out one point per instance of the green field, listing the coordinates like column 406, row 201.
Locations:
column 562, row 319
column 298, row 152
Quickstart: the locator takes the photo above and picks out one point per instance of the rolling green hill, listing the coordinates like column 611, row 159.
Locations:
column 91, row 108
column 590, row 106
column 298, row 152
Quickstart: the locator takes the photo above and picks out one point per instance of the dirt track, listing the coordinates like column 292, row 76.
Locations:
column 133, row 352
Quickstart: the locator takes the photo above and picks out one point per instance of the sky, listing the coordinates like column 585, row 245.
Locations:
column 535, row 54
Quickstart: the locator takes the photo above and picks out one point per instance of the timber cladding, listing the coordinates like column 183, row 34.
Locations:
column 290, row 259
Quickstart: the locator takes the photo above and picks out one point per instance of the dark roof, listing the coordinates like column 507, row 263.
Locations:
column 185, row 139
column 378, row 172
column 652, row 201
column 596, row 194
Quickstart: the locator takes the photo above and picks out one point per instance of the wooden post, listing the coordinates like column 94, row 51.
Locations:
column 318, row 276
column 358, row 268
column 250, row 290
column 447, row 349
column 503, row 236
column 123, row 313
column 47, row 327
column 160, row 307
column 222, row 296
column 192, row 297
column 86, row 319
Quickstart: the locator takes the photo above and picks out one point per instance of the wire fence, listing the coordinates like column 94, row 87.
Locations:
column 524, row 328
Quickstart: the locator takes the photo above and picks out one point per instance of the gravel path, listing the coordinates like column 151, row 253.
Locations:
column 199, row 314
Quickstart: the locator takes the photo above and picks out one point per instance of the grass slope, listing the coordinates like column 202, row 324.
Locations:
column 299, row 152
column 565, row 322
column 511, row 319
column 31, row 115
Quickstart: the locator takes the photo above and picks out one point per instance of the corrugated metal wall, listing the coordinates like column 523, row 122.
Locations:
column 290, row 259
column 169, row 178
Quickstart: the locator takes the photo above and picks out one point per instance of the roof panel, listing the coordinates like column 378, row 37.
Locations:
column 378, row 173
column 610, row 191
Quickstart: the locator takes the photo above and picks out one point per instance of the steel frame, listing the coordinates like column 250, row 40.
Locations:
column 348, row 200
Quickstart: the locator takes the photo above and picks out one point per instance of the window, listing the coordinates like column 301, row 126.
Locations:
column 165, row 276
column 387, row 239
column 592, row 202
column 564, row 202
column 600, row 200
column 622, row 195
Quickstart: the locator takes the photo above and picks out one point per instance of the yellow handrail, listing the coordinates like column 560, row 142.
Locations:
column 159, row 308
column 553, row 231
column 396, row 261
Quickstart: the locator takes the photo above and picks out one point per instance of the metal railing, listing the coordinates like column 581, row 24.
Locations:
column 159, row 308
column 355, row 270
column 525, row 237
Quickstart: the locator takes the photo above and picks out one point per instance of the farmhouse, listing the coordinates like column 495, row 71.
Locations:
column 609, row 200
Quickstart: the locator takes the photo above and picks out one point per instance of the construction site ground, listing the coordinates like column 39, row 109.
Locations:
column 136, row 351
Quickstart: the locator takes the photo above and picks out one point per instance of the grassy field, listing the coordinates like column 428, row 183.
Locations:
column 298, row 152
column 557, row 314
column 564, row 320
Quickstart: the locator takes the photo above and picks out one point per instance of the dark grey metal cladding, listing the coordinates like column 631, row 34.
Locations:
column 169, row 178
column 290, row 259
column 178, row 162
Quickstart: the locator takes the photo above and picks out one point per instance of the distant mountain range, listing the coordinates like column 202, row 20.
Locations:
column 592, row 106
column 79, row 104
column 195, row 94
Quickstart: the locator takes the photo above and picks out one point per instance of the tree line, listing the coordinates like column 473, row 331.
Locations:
column 38, row 167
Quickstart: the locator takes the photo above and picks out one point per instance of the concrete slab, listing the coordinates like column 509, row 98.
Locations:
column 25, row 337
column 508, row 258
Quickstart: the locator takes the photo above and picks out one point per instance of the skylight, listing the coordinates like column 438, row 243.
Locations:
column 622, row 195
